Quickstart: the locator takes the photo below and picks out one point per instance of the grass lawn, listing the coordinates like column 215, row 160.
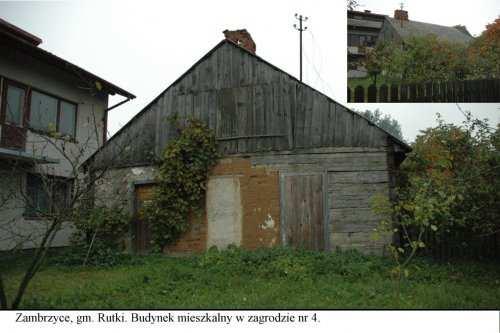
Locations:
column 278, row 278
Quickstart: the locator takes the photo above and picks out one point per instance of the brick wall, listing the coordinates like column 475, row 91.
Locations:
column 194, row 240
column 242, row 38
column 260, row 198
column 260, row 201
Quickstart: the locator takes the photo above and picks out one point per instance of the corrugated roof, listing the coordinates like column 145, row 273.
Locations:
column 419, row 29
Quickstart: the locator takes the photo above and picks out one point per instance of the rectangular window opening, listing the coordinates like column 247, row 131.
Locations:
column 14, row 103
column 46, row 195
column 52, row 115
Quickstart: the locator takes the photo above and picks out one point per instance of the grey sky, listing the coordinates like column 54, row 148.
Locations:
column 143, row 46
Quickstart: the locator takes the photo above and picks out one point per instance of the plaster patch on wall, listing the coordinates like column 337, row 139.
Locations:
column 137, row 171
column 268, row 222
column 224, row 212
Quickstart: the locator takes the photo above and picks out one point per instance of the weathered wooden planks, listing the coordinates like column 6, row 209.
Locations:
column 252, row 106
column 303, row 224
column 353, row 177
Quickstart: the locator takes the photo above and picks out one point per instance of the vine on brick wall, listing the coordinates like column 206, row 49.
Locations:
column 182, row 177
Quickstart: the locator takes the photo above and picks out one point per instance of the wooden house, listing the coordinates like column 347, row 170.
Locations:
column 298, row 168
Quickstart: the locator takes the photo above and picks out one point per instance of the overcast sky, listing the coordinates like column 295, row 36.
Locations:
column 143, row 46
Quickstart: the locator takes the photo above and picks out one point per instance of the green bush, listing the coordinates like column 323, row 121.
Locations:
column 107, row 225
column 182, row 176
column 98, row 240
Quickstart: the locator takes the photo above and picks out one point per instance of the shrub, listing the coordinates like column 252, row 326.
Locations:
column 182, row 177
column 107, row 225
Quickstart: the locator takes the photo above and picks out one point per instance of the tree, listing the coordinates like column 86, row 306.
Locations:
column 384, row 121
column 449, row 182
column 60, row 201
column 483, row 54
column 418, row 59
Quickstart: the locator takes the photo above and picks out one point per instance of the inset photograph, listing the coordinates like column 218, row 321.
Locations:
column 414, row 53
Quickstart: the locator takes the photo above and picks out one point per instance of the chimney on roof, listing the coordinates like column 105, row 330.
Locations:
column 463, row 29
column 242, row 38
column 401, row 15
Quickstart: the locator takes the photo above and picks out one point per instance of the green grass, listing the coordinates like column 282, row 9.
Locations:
column 278, row 278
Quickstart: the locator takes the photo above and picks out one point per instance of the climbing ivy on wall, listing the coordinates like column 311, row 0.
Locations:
column 182, row 177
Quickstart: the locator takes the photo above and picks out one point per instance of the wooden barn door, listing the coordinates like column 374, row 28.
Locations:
column 142, row 233
column 303, row 211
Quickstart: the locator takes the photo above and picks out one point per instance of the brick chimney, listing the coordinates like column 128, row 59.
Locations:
column 242, row 38
column 463, row 29
column 401, row 15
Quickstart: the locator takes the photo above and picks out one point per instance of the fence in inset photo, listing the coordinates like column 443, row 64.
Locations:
column 467, row 91
column 458, row 244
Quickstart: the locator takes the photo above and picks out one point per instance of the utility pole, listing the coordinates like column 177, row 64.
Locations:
column 402, row 8
column 300, row 28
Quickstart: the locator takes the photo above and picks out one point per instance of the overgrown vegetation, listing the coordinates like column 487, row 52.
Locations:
column 423, row 59
column 100, row 232
column 483, row 55
column 266, row 278
column 450, row 182
column 182, row 176
column 420, row 59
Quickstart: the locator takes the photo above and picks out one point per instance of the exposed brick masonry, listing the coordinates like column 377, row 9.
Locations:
column 242, row 38
column 401, row 15
column 260, row 200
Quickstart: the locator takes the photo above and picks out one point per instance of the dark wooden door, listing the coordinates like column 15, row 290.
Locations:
column 142, row 233
column 303, row 215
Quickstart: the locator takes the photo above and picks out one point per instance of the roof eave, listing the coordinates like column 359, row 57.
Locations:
column 65, row 65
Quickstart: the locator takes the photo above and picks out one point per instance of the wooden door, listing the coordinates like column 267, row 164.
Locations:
column 142, row 233
column 303, row 211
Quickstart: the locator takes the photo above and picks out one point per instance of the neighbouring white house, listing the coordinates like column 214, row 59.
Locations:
column 53, row 115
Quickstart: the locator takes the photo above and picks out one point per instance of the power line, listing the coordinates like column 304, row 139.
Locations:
column 325, row 84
